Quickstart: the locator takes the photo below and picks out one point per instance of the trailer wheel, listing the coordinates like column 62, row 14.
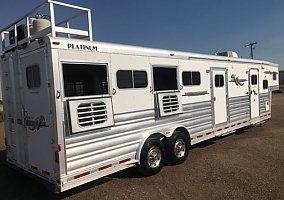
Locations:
column 152, row 157
column 177, row 147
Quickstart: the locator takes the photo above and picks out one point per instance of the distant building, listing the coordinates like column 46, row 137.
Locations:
column 281, row 77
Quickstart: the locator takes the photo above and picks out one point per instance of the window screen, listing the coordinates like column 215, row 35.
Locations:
column 165, row 78
column 265, row 84
column 33, row 76
column 131, row 79
column 191, row 78
column 85, row 79
column 253, row 79
column 219, row 80
column 274, row 76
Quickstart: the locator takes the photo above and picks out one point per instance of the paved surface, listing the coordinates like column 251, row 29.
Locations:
column 245, row 165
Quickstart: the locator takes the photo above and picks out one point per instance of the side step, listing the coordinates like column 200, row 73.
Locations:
column 226, row 133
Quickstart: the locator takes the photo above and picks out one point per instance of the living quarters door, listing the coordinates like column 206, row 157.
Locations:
column 254, row 93
column 219, row 91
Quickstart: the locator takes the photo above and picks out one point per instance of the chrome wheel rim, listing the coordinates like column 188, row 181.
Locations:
column 154, row 157
column 179, row 148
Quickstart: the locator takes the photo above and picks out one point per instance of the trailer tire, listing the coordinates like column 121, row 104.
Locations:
column 152, row 157
column 177, row 147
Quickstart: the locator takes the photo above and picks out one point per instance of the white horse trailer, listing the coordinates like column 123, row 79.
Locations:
column 76, row 110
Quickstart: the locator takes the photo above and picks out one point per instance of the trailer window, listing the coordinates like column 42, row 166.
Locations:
column 191, row 78
column 140, row 79
column 85, row 79
column 219, row 80
column 165, row 78
column 253, row 79
column 33, row 76
column 131, row 79
column 124, row 79
column 274, row 76
column 265, row 84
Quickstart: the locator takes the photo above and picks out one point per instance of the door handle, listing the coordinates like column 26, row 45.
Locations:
column 58, row 94
column 214, row 98
column 254, row 92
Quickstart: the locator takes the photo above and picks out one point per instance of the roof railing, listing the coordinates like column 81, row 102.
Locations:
column 20, row 32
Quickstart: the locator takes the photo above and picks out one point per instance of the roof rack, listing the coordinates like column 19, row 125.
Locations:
column 21, row 32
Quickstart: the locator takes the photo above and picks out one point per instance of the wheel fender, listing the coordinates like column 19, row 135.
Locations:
column 163, row 133
column 148, row 135
column 183, row 129
column 168, row 132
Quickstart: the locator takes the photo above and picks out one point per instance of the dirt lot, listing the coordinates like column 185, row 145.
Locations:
column 246, row 165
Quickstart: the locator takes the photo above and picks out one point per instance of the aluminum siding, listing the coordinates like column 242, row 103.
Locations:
column 263, row 97
column 93, row 148
column 239, row 108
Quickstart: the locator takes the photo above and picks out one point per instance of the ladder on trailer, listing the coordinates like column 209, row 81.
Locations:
column 20, row 30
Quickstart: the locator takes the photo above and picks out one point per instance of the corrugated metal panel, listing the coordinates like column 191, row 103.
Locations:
column 198, row 116
column 239, row 108
column 95, row 147
column 263, row 98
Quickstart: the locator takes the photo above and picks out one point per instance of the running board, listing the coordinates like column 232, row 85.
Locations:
column 258, row 124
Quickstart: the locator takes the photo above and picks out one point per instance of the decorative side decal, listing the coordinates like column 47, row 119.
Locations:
column 36, row 123
column 237, row 81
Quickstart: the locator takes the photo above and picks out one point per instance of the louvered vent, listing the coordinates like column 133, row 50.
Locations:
column 90, row 114
column 170, row 103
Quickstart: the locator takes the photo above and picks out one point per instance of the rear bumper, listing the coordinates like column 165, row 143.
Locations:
column 53, row 187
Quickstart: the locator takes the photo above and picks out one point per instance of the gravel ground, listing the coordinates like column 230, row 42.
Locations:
column 246, row 165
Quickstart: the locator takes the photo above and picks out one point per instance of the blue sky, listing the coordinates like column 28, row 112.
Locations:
column 202, row 26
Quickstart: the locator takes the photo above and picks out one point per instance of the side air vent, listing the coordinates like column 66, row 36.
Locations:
column 90, row 114
column 169, row 103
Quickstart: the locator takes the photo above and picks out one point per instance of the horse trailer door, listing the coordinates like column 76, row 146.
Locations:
column 254, row 93
column 219, row 87
column 37, row 111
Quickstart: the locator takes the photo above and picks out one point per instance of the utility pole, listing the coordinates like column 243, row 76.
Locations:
column 251, row 48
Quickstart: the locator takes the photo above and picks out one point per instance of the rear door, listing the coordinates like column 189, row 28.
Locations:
column 254, row 93
column 37, row 111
